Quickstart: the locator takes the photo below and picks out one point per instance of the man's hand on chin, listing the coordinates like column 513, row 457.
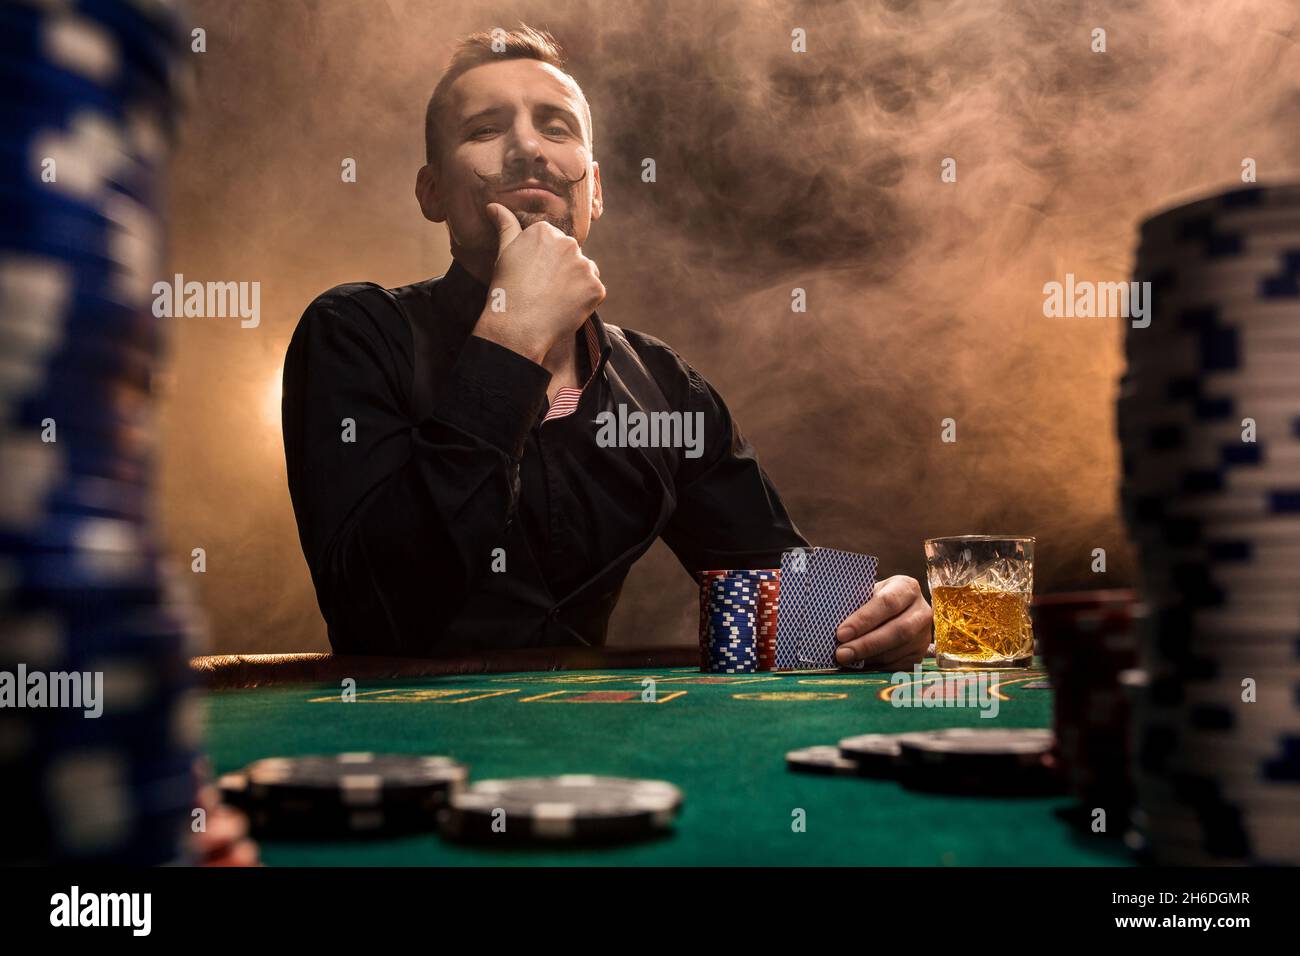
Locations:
column 891, row 631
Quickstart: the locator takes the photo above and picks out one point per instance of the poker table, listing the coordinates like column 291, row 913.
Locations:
column 649, row 714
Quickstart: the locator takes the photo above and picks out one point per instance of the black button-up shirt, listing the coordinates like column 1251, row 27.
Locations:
column 439, row 506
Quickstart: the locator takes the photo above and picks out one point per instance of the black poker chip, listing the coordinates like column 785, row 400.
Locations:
column 339, row 795
column 875, row 755
column 570, row 808
column 1004, row 762
column 823, row 760
column 977, row 746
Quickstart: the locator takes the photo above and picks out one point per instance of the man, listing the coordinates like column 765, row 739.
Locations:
column 442, row 442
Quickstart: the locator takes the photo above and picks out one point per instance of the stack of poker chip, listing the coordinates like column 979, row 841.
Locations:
column 963, row 760
column 738, row 615
column 95, row 637
column 1088, row 639
column 361, row 795
column 348, row 794
column 1209, row 427
column 568, row 808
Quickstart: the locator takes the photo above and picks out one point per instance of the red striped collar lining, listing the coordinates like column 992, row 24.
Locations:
column 566, row 399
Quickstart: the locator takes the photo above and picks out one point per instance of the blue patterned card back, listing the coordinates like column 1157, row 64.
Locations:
column 839, row 582
column 793, row 605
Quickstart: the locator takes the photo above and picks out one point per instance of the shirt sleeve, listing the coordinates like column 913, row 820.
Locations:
column 397, row 521
column 729, row 514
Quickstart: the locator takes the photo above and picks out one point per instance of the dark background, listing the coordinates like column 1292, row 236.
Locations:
column 776, row 171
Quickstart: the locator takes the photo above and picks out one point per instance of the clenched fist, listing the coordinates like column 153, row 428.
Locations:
column 550, row 288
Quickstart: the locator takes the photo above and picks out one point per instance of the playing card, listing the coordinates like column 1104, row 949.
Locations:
column 839, row 582
column 792, row 608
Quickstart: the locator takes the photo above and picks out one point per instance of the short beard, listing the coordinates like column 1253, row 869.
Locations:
column 528, row 217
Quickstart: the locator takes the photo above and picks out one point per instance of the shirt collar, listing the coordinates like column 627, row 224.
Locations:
column 462, row 297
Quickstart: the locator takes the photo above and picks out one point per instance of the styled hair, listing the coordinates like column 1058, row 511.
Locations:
column 523, row 43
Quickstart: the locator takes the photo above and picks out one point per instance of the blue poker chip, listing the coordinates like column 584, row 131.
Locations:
column 146, row 46
column 47, row 222
column 36, row 567
column 116, row 337
column 1159, row 438
column 47, row 631
column 1212, row 318
column 1181, row 386
column 1217, row 349
column 54, row 579
column 1263, row 289
column 1160, row 744
column 28, row 144
column 1165, row 619
column 1193, row 573
column 57, row 95
column 89, row 287
column 116, row 802
column 76, row 534
column 1201, row 665
column 1154, row 510
column 1207, row 595
column 1202, row 218
column 1233, row 551
column 1197, row 410
column 153, row 32
column 106, row 805
column 29, row 499
column 103, row 407
column 45, row 87
column 99, row 410
column 27, row 370
column 1204, row 481
column 27, row 461
column 1282, row 500
column 144, row 712
column 74, row 54
column 141, row 665
column 60, row 359
column 1212, row 245
column 82, row 310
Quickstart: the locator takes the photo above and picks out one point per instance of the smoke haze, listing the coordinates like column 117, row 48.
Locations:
column 775, row 171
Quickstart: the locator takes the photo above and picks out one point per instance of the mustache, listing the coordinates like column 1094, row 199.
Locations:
column 559, row 184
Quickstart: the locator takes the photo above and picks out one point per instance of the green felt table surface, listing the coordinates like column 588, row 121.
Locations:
column 721, row 739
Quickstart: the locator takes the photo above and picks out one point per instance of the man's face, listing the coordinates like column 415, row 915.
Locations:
column 506, row 124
